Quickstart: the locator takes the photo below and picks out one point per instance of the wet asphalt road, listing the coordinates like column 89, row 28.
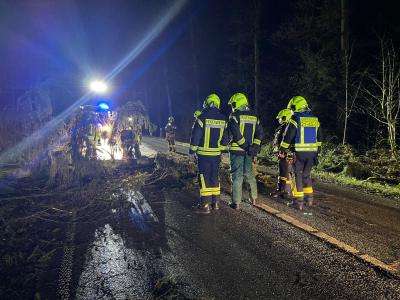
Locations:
column 368, row 222
column 246, row 254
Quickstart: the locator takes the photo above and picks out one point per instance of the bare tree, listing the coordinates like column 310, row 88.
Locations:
column 382, row 92
column 352, row 87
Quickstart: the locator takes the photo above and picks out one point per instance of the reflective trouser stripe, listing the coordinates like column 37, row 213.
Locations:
column 297, row 194
column 308, row 190
column 209, row 179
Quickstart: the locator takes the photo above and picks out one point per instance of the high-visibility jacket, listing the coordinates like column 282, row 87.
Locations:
column 209, row 136
column 303, row 131
column 245, row 130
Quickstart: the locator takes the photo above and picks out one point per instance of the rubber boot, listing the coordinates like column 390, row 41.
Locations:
column 275, row 194
column 215, row 205
column 309, row 200
column 215, row 202
column 203, row 209
column 235, row 206
column 297, row 203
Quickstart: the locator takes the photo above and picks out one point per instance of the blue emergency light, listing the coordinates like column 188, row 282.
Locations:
column 103, row 106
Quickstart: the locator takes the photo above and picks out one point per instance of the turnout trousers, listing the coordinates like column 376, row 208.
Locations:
column 170, row 137
column 242, row 168
column 210, row 189
column 284, row 180
column 302, row 168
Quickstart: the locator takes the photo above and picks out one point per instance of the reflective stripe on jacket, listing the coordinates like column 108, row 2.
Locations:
column 244, row 130
column 209, row 136
column 303, row 132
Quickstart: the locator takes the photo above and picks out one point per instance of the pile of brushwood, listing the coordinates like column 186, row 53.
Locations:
column 36, row 220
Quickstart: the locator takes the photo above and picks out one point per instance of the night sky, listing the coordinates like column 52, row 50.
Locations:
column 69, row 42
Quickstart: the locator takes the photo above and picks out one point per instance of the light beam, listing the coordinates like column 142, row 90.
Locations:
column 12, row 153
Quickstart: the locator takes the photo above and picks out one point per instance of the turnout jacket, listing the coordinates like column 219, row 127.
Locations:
column 209, row 136
column 278, row 136
column 245, row 131
column 303, row 132
column 170, row 128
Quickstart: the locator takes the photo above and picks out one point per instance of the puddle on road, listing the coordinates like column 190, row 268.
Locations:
column 114, row 271
column 129, row 257
column 140, row 213
column 135, row 211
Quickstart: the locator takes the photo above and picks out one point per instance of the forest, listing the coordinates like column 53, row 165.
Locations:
column 342, row 56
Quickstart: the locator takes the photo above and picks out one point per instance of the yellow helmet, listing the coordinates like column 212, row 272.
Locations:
column 284, row 115
column 197, row 113
column 212, row 100
column 298, row 104
column 238, row 100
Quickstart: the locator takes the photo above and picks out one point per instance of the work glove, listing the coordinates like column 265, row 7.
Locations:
column 253, row 150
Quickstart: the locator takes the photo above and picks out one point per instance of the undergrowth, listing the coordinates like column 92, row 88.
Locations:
column 382, row 188
column 375, row 170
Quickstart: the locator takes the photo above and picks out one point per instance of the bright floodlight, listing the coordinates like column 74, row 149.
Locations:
column 98, row 87
column 103, row 106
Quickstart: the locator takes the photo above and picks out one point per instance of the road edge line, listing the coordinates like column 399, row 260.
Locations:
column 365, row 258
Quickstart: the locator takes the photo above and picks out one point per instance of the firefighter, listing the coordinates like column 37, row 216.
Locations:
column 138, row 140
column 208, row 138
column 245, row 132
column 127, row 143
column 302, row 133
column 85, row 134
column 170, row 130
column 284, row 186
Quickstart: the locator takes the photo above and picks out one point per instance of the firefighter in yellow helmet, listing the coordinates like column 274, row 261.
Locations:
column 284, row 186
column 246, row 132
column 207, row 140
column 302, row 134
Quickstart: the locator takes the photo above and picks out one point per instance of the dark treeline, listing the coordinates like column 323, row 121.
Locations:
column 327, row 51
column 330, row 52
